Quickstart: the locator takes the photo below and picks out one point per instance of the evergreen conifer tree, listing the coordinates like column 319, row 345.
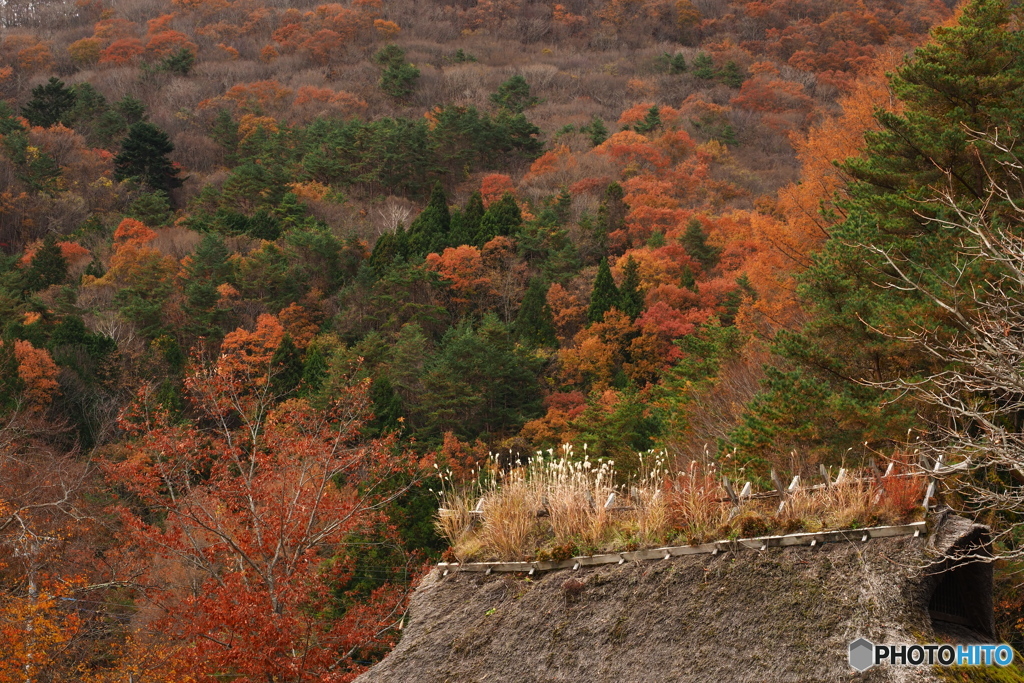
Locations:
column 206, row 269
column 611, row 214
column 562, row 207
column 731, row 75
column 703, row 66
column 651, row 121
column 597, row 130
column 514, row 95
column 181, row 62
column 143, row 158
column 677, row 64
column 48, row 267
column 535, row 326
column 969, row 78
column 51, row 103
column 605, row 294
column 431, row 231
column 631, row 295
column 695, row 240
column 286, row 367
column 398, row 79
column 466, row 223
column 502, row 218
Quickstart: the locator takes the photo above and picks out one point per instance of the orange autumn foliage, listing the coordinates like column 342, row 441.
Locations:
column 122, row 51
column 796, row 228
column 35, row 630
column 301, row 323
column 38, row 373
column 493, row 187
column 166, row 43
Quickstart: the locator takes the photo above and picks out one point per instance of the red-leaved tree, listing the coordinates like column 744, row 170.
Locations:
column 246, row 510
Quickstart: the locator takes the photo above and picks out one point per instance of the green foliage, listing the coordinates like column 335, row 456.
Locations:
column 728, row 135
column 514, row 95
column 224, row 132
column 703, row 66
column 611, row 214
column 651, row 121
column 143, row 158
column 478, row 384
column 390, row 248
column 534, row 325
column 206, row 268
column 8, row 124
column 671, row 64
column 48, row 267
column 51, row 104
column 731, row 75
column 152, row 208
column 503, row 218
column 431, row 231
column 398, row 79
column 11, row 384
column 730, row 306
column 605, row 294
column 465, row 224
column 131, row 108
column 597, row 130
column 694, row 240
column 286, row 367
column 969, row 78
column 462, row 57
column 629, row 429
column 180, row 63
column 631, row 295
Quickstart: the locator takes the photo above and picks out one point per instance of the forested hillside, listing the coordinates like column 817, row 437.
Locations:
column 266, row 266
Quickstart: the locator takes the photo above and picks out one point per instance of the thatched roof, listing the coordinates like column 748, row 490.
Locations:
column 783, row 614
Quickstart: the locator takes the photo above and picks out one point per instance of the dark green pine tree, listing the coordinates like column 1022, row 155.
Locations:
column 605, row 295
column 631, row 295
column 48, row 267
column 478, row 384
column 387, row 407
column 398, row 79
column 466, row 223
column 391, row 248
column 562, row 207
column 651, row 122
column 514, row 95
column 431, row 231
column 131, row 109
column 611, row 214
column 703, row 66
column 207, row 268
column 597, row 130
column 695, row 240
column 11, row 384
column 535, row 326
column 677, row 64
column 731, row 75
column 285, row 367
column 314, row 370
column 180, row 63
column 143, row 158
column 969, row 78
column 51, row 104
column 502, row 218
column 224, row 132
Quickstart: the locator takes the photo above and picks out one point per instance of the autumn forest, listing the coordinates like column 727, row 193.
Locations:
column 267, row 268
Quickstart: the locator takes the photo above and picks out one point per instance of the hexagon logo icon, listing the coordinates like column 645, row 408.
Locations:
column 862, row 654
